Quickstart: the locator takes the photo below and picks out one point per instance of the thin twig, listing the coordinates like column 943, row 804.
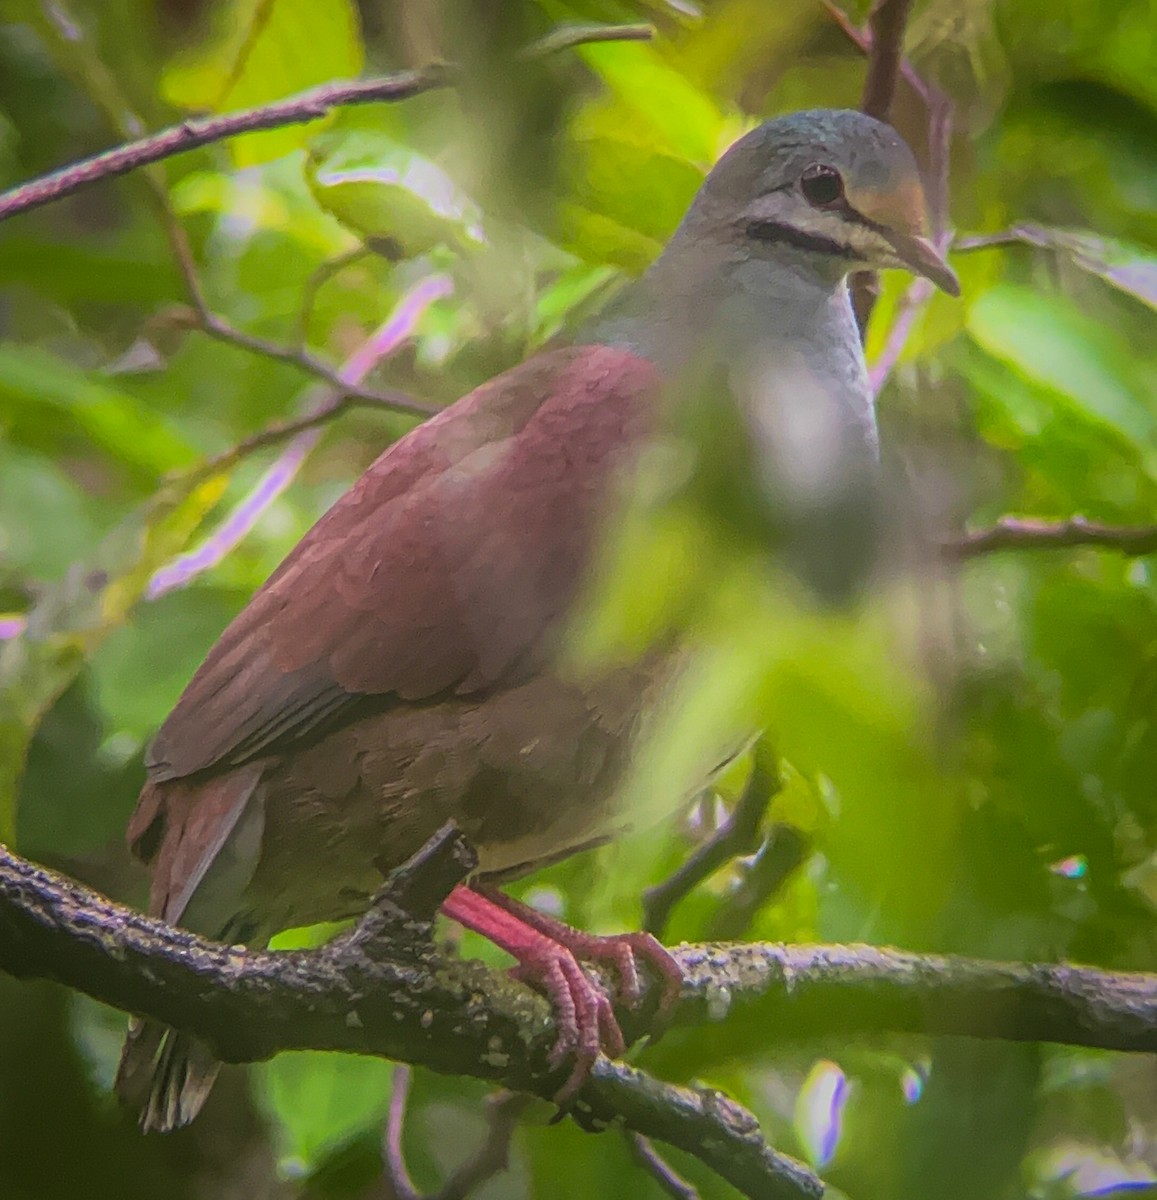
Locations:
column 221, row 330
column 191, row 134
column 13, row 626
column 883, row 41
column 567, row 37
column 1030, row 533
column 109, row 97
column 245, row 515
column 1006, row 534
column 1018, row 235
column 739, row 834
column 317, row 280
column 941, row 118
column 659, row 1168
column 396, row 1175
column 861, row 39
column 294, row 110
column 785, row 850
column 912, row 304
column 493, row 1156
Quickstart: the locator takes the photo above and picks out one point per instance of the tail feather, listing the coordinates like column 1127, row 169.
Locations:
column 166, row 1074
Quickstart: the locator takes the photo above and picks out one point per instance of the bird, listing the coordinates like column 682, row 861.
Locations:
column 402, row 667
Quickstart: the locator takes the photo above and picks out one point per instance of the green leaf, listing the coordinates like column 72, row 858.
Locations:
column 39, row 393
column 1083, row 367
column 73, row 617
column 674, row 115
column 321, row 1101
column 176, row 629
column 379, row 189
column 46, row 520
column 623, row 200
column 1123, row 265
column 265, row 50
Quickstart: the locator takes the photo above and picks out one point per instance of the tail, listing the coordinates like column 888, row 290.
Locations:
column 181, row 828
column 165, row 1074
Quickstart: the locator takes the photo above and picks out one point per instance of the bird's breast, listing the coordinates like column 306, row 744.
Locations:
column 530, row 773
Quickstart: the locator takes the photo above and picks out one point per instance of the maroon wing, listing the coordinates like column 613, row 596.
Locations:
column 445, row 568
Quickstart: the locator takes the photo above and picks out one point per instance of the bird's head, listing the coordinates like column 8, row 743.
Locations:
column 834, row 183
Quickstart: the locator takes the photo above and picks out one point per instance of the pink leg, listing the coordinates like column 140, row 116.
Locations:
column 586, row 1021
column 621, row 950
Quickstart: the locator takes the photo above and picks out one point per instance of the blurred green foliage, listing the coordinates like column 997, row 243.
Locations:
column 971, row 754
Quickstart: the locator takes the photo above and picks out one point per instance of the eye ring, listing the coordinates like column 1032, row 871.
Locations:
column 821, row 185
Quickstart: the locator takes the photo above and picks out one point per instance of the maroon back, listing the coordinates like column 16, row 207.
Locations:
column 447, row 567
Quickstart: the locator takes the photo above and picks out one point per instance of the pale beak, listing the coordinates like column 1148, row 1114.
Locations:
column 924, row 259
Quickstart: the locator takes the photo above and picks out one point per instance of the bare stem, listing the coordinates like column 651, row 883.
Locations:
column 399, row 1185
column 659, row 1168
column 739, row 834
column 1029, row 533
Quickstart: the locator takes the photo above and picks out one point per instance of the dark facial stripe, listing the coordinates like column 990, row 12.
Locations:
column 788, row 235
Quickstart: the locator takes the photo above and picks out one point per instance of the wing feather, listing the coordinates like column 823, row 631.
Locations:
column 446, row 568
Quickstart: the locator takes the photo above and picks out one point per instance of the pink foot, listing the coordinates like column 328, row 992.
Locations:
column 547, row 953
column 622, row 951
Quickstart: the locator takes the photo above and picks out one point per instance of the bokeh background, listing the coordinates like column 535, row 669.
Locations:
column 969, row 757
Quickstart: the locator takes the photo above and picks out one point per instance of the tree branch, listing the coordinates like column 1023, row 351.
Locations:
column 293, row 110
column 1029, row 533
column 784, row 851
column 190, row 135
column 248, row 1005
column 384, row 990
column 381, row 989
column 202, row 131
column 202, row 318
column 883, row 42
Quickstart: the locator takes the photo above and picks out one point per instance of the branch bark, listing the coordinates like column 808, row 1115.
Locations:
column 1029, row 533
column 385, row 990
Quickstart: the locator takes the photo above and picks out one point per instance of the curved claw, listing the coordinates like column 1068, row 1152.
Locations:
column 621, row 951
column 548, row 952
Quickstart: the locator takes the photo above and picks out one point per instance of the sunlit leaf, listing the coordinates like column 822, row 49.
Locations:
column 679, row 117
column 265, row 50
column 381, row 190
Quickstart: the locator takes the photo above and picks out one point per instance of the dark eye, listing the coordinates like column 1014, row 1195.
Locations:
column 821, row 185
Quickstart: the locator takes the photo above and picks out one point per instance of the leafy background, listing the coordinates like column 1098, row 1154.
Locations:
column 970, row 756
